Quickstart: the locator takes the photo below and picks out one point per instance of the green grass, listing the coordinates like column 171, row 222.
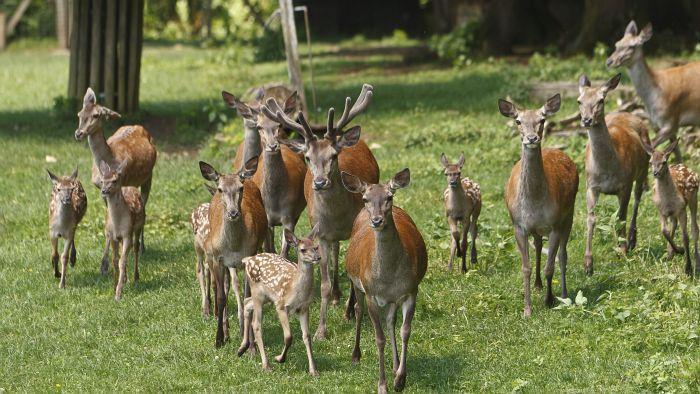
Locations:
column 638, row 330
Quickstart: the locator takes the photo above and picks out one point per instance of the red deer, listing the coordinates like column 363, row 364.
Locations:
column 386, row 261
column 330, row 205
column 462, row 199
column 615, row 160
column 66, row 209
column 670, row 96
column 131, row 145
column 540, row 196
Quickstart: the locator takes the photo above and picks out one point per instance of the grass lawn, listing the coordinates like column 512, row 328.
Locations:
column 637, row 330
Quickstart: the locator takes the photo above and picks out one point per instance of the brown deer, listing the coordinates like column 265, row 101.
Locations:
column 462, row 199
column 131, row 145
column 281, row 179
column 251, row 145
column 670, row 96
column 540, row 196
column 289, row 286
column 237, row 228
column 615, row 160
column 675, row 188
column 386, row 261
column 66, row 209
column 123, row 223
column 330, row 205
column 199, row 219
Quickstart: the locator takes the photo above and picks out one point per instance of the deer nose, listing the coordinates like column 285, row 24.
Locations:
column 232, row 215
column 586, row 122
column 320, row 183
column 454, row 182
column 656, row 174
column 532, row 139
column 608, row 62
column 79, row 134
column 376, row 221
column 104, row 191
column 274, row 147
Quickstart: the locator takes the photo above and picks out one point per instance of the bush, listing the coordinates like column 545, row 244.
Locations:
column 269, row 45
column 459, row 44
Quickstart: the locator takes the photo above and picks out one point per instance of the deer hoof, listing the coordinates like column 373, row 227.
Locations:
column 320, row 334
column 400, row 382
column 314, row 373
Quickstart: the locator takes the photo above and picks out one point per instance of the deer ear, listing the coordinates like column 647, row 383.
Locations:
column 108, row 113
column 507, row 109
column 400, row 180
column 104, row 167
column 291, row 238
column 290, row 104
column 249, row 168
column 211, row 189
column 352, row 183
column 243, row 110
column 295, row 145
column 314, row 232
column 259, row 94
column 460, row 161
column 583, row 82
column 74, row 175
column 89, row 99
column 443, row 160
column 552, row 105
column 208, row 172
column 349, row 138
column 646, row 33
column 53, row 178
column 631, row 28
column 612, row 83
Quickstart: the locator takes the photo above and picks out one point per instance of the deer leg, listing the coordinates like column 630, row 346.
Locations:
column 304, row 323
column 288, row 224
column 474, row 230
column 227, row 290
column 336, row 295
column 356, row 353
column 269, row 242
column 115, row 262
column 64, row 259
column 325, row 290
column 638, row 190
column 538, row 260
column 564, row 255
column 669, row 234
column 624, row 200
column 247, row 317
column 54, row 256
column 219, row 273
column 686, row 242
column 591, row 202
column 199, row 270
column 463, row 246
column 350, row 305
column 693, row 204
column 72, row 252
column 137, row 250
column 391, row 326
column 521, row 239
column 126, row 247
column 233, row 273
column 257, row 330
column 380, row 340
column 408, row 308
column 553, row 245
column 104, row 268
column 454, row 247
column 145, row 192
column 287, row 331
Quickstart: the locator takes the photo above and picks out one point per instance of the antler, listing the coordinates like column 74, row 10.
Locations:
column 349, row 114
column 273, row 111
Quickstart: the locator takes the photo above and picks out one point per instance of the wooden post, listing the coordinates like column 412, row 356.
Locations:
column 110, row 62
column 134, row 69
column 122, row 53
column 97, row 45
column 2, row 31
column 290, row 48
column 83, row 28
column 62, row 23
column 73, row 73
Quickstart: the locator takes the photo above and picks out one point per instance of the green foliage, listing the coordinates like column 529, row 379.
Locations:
column 459, row 45
column 269, row 45
column 39, row 20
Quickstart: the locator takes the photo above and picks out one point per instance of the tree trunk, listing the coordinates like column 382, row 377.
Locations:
column 291, row 50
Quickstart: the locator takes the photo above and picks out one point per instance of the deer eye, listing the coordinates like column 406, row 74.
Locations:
column 302, row 250
column 579, row 102
column 95, row 116
column 218, row 189
column 389, row 197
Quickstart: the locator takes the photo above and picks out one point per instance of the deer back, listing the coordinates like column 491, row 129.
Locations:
column 681, row 92
column 627, row 131
column 134, row 145
column 294, row 166
column 361, row 249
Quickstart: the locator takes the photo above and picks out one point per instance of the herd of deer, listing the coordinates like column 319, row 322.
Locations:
column 332, row 173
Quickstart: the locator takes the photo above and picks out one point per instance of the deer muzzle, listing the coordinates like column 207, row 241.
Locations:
column 376, row 221
column 79, row 134
column 321, row 183
column 233, row 214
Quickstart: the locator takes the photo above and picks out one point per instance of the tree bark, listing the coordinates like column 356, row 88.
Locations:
column 291, row 49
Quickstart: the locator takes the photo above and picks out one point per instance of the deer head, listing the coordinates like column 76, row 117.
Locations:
column 254, row 119
column 111, row 178
column 92, row 116
column 530, row 122
column 63, row 186
column 591, row 101
column 659, row 159
column 629, row 47
column 307, row 248
column 230, row 186
column 322, row 153
column 378, row 198
column 453, row 172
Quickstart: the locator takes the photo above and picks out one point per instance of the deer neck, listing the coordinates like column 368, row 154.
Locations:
column 275, row 178
column 334, row 197
column 230, row 232
column 644, row 82
column 251, row 143
column 388, row 250
column 456, row 198
column 305, row 277
column 532, row 184
column 116, row 206
column 100, row 150
column 602, row 148
column 664, row 183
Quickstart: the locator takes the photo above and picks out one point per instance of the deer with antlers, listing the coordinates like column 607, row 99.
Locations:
column 671, row 96
column 282, row 171
column 66, row 209
column 330, row 205
column 615, row 160
column 132, row 146
column 540, row 196
column 237, row 228
column 675, row 189
column 386, row 261
column 462, row 199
